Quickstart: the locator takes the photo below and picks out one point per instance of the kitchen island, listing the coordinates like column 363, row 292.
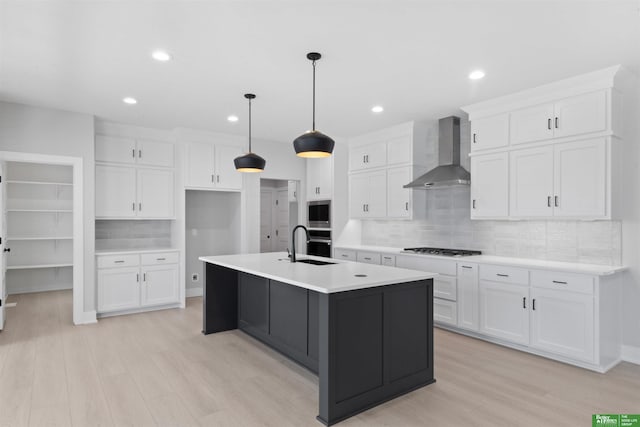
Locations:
column 365, row 330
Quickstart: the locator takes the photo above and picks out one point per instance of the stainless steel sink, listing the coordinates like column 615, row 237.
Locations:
column 314, row 262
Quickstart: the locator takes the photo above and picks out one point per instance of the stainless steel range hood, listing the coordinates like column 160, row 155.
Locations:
column 449, row 172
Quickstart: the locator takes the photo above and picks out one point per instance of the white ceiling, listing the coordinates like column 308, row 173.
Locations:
column 412, row 57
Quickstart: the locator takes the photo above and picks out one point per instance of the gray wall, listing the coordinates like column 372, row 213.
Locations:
column 44, row 131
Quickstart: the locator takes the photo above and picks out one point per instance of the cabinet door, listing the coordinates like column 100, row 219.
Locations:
column 358, row 195
column 399, row 200
column 160, row 284
column 531, row 124
column 368, row 156
column 468, row 298
column 377, row 204
column 293, row 191
column 115, row 191
column 504, row 311
column 118, row 289
column 490, row 186
column 445, row 311
column 562, row 323
column 200, row 166
column 227, row 177
column 155, row 193
column 155, row 153
column 531, row 191
column 319, row 178
column 288, row 316
column 399, row 150
column 253, row 304
column 580, row 114
column 580, row 179
column 490, row 132
column 114, row 149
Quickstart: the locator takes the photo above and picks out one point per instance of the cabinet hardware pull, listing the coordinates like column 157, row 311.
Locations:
column 160, row 259
column 212, row 178
column 133, row 206
column 474, row 138
column 345, row 256
column 367, row 258
column 406, row 206
column 548, row 201
column 364, row 159
column 140, row 206
column 387, row 257
column 533, row 304
column 133, row 153
column 144, row 277
column 549, row 124
column 555, row 201
column 524, row 302
column 556, row 123
column 559, row 282
column 120, row 261
column 137, row 277
column 139, row 154
column 473, row 204
column 218, row 178
column 502, row 275
column 466, row 266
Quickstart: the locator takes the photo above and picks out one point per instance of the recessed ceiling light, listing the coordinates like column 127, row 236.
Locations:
column 161, row 55
column 232, row 118
column 377, row 109
column 129, row 100
column 477, row 74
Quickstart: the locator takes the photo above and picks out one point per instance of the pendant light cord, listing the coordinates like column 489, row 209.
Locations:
column 314, row 95
column 249, row 124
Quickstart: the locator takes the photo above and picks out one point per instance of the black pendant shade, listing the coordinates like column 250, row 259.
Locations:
column 313, row 143
column 249, row 162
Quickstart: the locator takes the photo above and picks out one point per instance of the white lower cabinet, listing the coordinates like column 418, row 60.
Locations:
column 139, row 280
column 468, row 296
column 445, row 311
column 503, row 311
column 563, row 323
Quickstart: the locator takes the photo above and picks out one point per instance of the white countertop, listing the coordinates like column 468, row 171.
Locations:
column 326, row 279
column 133, row 251
column 571, row 267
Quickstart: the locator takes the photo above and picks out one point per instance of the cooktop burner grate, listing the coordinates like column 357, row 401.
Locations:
column 441, row 251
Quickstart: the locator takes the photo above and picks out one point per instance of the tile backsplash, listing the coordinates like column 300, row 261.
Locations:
column 132, row 234
column 448, row 225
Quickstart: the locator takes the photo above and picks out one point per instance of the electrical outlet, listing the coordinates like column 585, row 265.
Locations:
column 195, row 277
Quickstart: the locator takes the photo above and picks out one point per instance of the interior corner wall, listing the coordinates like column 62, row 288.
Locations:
column 37, row 130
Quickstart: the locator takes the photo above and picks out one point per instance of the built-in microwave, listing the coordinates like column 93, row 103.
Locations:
column 319, row 214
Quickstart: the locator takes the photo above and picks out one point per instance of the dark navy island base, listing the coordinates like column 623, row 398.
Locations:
column 367, row 346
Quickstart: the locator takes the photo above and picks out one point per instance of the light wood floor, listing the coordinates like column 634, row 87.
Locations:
column 158, row 369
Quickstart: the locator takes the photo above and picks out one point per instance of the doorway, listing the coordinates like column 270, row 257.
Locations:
column 278, row 213
column 41, row 221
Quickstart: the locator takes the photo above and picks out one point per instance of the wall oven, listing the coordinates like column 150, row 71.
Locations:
column 319, row 213
column 319, row 243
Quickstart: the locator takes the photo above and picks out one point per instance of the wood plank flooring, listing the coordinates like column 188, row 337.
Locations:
column 158, row 369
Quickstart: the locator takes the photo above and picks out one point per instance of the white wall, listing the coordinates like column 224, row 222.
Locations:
column 45, row 131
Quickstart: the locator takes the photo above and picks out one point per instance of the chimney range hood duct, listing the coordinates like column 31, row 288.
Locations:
column 449, row 172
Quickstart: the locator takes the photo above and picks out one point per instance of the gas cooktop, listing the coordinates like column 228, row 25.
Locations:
column 441, row 251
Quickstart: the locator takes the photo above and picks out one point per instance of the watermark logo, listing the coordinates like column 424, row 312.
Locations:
column 615, row 420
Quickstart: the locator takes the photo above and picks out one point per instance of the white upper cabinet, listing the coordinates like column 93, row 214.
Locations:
column 155, row 193
column 368, row 194
column 399, row 150
column 399, row 200
column 112, row 149
column 562, row 180
column 319, row 178
column 368, row 156
column 490, row 186
column 115, row 191
column 576, row 115
column 211, row 166
column 490, row 132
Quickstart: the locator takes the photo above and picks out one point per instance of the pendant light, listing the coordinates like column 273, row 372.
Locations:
column 313, row 143
column 249, row 162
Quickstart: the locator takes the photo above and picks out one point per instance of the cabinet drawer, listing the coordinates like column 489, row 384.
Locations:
column 427, row 264
column 445, row 287
column 160, row 258
column 497, row 273
column 109, row 261
column 581, row 283
column 368, row 257
column 445, row 311
column 389, row 260
column 345, row 254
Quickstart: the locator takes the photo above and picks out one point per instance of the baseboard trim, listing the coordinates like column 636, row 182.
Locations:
column 193, row 292
column 86, row 318
column 631, row 354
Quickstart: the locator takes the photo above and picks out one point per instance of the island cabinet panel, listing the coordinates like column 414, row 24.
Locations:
column 313, row 314
column 253, row 298
column 220, row 299
column 288, row 316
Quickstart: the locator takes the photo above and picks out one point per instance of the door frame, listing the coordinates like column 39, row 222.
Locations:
column 78, row 216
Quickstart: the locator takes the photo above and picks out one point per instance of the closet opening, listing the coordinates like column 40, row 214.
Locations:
column 41, row 236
